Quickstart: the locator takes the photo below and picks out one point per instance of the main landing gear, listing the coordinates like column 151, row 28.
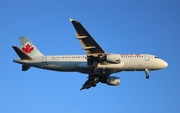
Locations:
column 93, row 69
column 146, row 72
column 95, row 81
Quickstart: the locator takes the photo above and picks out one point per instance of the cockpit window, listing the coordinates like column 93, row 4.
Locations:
column 156, row 57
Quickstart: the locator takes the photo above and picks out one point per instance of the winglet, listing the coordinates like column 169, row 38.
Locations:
column 70, row 19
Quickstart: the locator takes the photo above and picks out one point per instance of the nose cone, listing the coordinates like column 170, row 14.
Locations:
column 165, row 64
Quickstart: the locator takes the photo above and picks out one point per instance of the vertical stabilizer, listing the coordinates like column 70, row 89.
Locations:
column 28, row 47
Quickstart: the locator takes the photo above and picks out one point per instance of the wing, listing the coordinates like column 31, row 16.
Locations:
column 89, row 44
column 93, row 79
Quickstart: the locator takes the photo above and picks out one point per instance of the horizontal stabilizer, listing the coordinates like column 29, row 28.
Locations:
column 21, row 54
column 25, row 67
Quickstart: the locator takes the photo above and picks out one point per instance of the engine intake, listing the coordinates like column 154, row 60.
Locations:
column 113, row 81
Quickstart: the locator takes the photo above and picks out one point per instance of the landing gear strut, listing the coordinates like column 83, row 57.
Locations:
column 95, row 82
column 146, row 72
column 93, row 69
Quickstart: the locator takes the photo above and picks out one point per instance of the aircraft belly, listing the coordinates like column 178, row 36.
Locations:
column 101, row 69
column 57, row 66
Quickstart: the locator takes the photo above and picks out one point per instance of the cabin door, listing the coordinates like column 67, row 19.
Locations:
column 147, row 57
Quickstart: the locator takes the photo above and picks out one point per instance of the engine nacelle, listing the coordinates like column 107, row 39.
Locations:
column 112, row 58
column 113, row 81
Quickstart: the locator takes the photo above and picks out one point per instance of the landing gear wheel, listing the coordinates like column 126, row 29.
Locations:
column 146, row 72
column 147, row 76
column 94, row 83
column 96, row 80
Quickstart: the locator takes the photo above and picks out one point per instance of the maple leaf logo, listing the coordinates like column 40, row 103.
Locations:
column 28, row 48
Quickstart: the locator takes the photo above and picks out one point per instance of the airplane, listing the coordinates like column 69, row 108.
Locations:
column 97, row 63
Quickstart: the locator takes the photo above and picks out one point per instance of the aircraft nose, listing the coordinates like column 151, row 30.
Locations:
column 165, row 64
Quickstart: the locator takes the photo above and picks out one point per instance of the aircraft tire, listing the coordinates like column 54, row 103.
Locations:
column 147, row 76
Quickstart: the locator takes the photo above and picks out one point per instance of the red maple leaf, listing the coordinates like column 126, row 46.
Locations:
column 27, row 48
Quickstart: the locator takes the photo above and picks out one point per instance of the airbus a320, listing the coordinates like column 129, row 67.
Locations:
column 97, row 63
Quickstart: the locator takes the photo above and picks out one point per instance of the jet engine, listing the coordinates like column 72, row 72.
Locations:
column 113, row 81
column 111, row 58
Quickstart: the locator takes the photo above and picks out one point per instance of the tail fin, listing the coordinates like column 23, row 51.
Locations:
column 28, row 47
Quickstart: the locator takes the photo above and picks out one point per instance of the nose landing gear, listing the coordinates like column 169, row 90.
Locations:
column 146, row 72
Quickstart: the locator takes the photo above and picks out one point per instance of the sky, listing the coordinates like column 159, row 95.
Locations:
column 119, row 26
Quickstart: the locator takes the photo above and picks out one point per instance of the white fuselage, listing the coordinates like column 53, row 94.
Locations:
column 78, row 63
